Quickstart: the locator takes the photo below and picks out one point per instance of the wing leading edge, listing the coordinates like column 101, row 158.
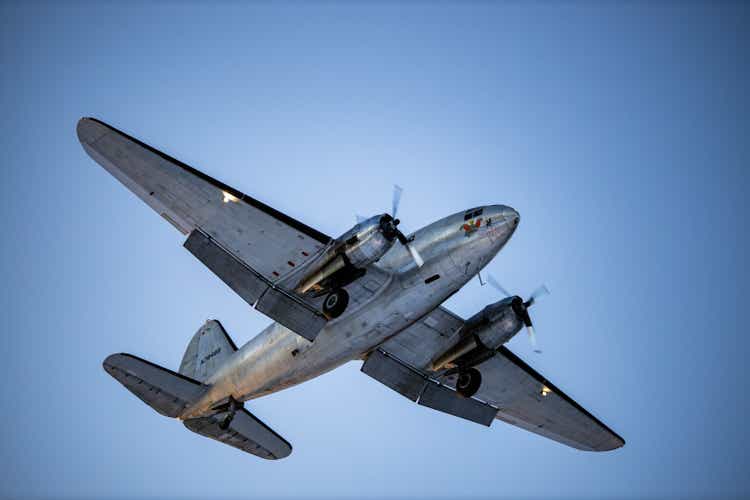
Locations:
column 515, row 392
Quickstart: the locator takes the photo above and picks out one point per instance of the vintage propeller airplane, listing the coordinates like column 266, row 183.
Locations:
column 372, row 294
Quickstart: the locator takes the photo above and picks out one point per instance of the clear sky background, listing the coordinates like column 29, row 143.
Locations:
column 619, row 131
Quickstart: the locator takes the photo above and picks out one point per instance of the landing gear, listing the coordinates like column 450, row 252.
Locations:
column 231, row 410
column 335, row 303
column 468, row 382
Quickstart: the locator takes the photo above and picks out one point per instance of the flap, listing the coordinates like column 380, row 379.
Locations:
column 439, row 397
column 413, row 385
column 395, row 375
column 285, row 307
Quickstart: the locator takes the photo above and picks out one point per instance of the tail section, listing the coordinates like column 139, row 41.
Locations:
column 171, row 393
column 207, row 351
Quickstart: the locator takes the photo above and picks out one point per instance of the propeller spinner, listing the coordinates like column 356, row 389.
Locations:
column 389, row 225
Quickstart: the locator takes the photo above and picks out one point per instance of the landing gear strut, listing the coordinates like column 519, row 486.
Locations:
column 335, row 303
column 231, row 410
column 468, row 382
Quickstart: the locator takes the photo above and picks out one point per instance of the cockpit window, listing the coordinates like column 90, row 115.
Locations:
column 473, row 213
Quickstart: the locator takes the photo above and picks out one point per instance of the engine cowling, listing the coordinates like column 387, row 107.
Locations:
column 484, row 333
column 357, row 248
column 368, row 241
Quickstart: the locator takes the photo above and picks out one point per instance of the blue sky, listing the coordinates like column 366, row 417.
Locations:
column 617, row 130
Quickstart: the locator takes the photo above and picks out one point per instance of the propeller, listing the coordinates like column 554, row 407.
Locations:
column 521, row 308
column 389, row 224
column 396, row 200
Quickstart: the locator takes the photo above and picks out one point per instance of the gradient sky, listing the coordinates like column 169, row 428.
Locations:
column 619, row 131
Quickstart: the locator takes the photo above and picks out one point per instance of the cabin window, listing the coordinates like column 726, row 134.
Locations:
column 432, row 278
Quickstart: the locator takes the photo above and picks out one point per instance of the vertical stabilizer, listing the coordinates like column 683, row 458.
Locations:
column 208, row 349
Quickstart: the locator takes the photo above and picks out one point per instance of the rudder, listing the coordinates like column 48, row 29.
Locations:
column 207, row 351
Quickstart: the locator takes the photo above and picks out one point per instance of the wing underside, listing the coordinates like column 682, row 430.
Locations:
column 252, row 247
column 511, row 390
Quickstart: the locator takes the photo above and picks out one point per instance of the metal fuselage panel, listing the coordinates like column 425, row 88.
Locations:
column 455, row 248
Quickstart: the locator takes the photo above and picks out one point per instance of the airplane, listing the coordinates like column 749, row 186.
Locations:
column 373, row 294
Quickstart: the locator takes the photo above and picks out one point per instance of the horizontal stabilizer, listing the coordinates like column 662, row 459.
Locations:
column 245, row 432
column 165, row 391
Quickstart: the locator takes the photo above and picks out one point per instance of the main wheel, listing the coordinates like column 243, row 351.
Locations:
column 335, row 303
column 231, row 411
column 224, row 424
column 468, row 382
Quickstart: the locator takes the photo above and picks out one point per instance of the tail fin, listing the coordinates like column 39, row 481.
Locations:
column 207, row 350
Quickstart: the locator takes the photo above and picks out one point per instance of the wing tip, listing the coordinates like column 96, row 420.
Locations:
column 285, row 453
column 615, row 443
column 89, row 130
column 112, row 360
column 620, row 442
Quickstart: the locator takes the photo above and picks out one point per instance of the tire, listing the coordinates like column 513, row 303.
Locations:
column 224, row 424
column 468, row 382
column 335, row 303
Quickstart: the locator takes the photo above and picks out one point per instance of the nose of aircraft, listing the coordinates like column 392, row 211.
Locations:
column 501, row 233
column 510, row 215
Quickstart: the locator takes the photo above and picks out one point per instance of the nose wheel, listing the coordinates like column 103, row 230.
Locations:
column 468, row 382
column 335, row 303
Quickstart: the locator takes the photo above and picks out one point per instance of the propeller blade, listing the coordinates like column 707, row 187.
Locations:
column 415, row 255
column 492, row 281
column 540, row 292
column 360, row 218
column 532, row 338
column 401, row 238
column 397, row 190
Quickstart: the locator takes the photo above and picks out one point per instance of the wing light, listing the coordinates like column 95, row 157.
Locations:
column 545, row 390
column 229, row 197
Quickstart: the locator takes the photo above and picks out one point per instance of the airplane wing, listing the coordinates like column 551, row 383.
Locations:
column 511, row 390
column 249, row 245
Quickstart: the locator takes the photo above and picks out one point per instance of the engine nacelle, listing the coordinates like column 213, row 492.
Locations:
column 484, row 333
column 357, row 248
column 367, row 242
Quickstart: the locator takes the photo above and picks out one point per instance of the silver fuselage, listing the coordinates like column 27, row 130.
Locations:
column 277, row 358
